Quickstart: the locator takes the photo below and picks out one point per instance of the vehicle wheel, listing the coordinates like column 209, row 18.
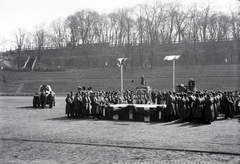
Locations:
column 43, row 105
column 50, row 105
column 34, row 102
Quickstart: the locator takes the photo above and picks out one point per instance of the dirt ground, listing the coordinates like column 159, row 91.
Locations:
column 29, row 135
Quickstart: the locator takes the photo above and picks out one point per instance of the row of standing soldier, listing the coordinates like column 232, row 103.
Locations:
column 203, row 106
column 84, row 104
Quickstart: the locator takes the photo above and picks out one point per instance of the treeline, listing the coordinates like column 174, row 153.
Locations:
column 151, row 24
column 147, row 23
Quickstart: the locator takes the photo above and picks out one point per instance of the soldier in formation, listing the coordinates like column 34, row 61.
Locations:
column 203, row 106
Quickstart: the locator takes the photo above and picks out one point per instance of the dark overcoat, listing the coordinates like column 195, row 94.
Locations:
column 69, row 105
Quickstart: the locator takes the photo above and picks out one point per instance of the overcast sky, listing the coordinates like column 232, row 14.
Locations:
column 27, row 14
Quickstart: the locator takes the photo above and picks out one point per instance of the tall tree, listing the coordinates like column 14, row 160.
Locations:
column 212, row 29
column 87, row 21
column 140, row 28
column 204, row 17
column 170, row 22
column 20, row 38
column 193, row 28
column 3, row 42
column 223, row 27
column 235, row 31
column 129, row 24
column 72, row 28
column 153, row 19
column 40, row 40
column 58, row 34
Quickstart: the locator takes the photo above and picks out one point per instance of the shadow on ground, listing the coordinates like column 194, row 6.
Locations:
column 193, row 123
column 116, row 122
column 32, row 108
column 25, row 107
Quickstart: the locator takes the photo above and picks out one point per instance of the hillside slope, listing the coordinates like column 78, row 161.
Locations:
column 210, row 77
column 105, row 55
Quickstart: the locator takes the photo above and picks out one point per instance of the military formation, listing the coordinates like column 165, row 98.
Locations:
column 203, row 106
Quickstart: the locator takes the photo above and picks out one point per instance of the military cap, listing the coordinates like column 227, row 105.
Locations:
column 89, row 88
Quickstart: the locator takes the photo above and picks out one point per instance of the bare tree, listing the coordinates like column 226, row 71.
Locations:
column 72, row 27
column 114, row 29
column 204, row 17
column 193, row 28
column 180, row 18
column 212, row 29
column 2, row 41
column 40, row 40
column 224, row 25
column 140, row 25
column 20, row 38
column 105, row 29
column 170, row 19
column 235, row 31
column 87, row 22
column 148, row 25
column 58, row 35
column 93, row 35
column 98, row 29
column 153, row 18
column 28, row 42
column 129, row 24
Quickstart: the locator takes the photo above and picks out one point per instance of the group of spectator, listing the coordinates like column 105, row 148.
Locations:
column 204, row 106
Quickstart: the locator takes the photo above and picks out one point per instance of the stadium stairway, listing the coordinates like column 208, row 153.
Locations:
column 29, row 63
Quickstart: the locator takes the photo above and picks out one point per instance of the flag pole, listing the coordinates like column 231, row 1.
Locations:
column 121, row 60
column 173, row 58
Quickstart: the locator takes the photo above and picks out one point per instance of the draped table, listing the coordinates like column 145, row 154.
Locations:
column 142, row 112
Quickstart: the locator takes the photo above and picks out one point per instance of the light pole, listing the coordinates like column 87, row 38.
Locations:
column 120, row 63
column 133, row 44
column 173, row 58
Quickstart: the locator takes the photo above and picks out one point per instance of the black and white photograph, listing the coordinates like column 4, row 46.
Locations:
column 119, row 81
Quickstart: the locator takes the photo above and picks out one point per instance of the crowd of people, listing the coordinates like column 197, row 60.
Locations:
column 203, row 106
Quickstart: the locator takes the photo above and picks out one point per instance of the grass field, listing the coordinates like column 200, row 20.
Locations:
column 29, row 135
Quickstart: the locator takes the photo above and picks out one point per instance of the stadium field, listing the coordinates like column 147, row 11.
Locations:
column 39, row 135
